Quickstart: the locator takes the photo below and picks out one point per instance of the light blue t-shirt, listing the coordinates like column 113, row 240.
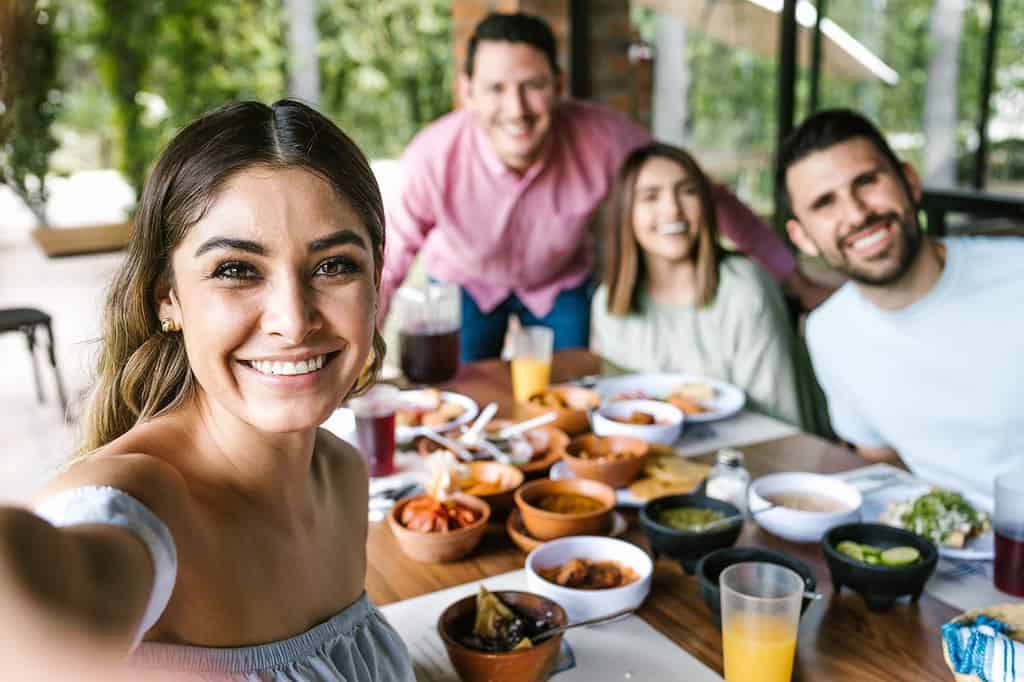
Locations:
column 941, row 381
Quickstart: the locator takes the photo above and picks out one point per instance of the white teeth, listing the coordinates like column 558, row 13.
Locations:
column 289, row 368
column 677, row 227
column 870, row 240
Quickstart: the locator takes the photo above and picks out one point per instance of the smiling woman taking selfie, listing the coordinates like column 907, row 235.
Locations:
column 672, row 301
column 209, row 527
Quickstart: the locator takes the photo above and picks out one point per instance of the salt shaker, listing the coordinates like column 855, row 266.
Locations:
column 728, row 479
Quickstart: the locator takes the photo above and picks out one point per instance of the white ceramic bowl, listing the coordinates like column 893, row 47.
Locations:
column 664, row 433
column 583, row 604
column 796, row 525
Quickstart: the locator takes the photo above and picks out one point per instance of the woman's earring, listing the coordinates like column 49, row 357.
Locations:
column 169, row 326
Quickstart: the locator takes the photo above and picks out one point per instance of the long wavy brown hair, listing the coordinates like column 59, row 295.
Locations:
column 141, row 372
column 624, row 273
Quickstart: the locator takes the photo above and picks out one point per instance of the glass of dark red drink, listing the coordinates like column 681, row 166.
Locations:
column 1009, row 531
column 375, row 428
column 429, row 355
column 429, row 319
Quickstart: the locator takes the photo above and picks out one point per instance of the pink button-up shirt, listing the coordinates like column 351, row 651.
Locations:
column 496, row 232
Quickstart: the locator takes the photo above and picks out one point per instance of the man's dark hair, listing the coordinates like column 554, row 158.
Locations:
column 514, row 28
column 821, row 131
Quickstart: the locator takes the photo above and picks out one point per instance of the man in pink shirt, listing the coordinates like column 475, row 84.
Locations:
column 499, row 194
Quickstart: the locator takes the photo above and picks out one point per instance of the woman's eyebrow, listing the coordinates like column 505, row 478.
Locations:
column 345, row 236
column 229, row 243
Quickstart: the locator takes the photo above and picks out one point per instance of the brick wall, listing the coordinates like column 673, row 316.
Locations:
column 612, row 77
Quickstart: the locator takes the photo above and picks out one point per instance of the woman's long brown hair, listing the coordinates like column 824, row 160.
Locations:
column 141, row 372
column 624, row 272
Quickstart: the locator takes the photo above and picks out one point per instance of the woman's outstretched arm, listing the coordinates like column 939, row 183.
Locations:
column 73, row 597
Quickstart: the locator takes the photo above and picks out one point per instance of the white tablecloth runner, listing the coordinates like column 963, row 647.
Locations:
column 623, row 651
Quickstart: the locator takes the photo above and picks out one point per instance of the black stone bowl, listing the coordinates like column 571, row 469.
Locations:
column 710, row 568
column 880, row 586
column 684, row 546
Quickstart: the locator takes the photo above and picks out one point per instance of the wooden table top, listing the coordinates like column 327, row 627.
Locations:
column 839, row 638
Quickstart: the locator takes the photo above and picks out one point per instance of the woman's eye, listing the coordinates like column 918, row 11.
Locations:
column 336, row 267
column 235, row 270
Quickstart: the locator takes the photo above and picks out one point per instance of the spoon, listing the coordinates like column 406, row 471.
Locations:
column 473, row 438
column 729, row 520
column 445, row 442
column 523, row 427
column 472, row 434
column 590, row 621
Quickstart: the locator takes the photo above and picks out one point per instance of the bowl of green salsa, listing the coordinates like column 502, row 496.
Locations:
column 677, row 527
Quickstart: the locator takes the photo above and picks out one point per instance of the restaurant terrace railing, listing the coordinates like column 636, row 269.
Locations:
column 986, row 212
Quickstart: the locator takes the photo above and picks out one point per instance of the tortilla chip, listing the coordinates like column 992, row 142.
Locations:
column 676, row 469
column 650, row 487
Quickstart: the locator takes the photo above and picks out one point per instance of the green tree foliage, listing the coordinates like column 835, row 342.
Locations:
column 123, row 33
column 162, row 63
column 732, row 91
column 30, row 103
column 386, row 68
column 144, row 69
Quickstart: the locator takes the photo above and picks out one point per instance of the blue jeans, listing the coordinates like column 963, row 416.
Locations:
column 483, row 334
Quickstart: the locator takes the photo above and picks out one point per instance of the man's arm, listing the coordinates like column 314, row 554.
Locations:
column 753, row 237
column 810, row 294
column 882, row 454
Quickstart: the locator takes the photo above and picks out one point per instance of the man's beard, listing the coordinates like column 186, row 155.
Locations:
column 908, row 240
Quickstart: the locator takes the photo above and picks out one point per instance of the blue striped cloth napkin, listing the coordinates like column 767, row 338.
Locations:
column 984, row 649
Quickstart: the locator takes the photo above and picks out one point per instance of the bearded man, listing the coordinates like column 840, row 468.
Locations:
column 919, row 353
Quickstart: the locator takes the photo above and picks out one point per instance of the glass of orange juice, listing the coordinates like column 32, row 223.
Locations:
column 760, row 614
column 531, row 361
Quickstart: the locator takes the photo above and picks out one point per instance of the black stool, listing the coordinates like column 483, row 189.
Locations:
column 26, row 320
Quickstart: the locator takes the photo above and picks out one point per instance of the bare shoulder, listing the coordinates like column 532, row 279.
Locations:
column 340, row 458
column 148, row 478
column 344, row 474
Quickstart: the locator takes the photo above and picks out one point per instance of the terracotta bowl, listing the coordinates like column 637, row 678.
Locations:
column 435, row 548
column 546, row 525
column 573, row 419
column 506, row 475
column 615, row 472
column 525, row 665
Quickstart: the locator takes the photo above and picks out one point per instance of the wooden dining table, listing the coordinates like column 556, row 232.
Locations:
column 839, row 638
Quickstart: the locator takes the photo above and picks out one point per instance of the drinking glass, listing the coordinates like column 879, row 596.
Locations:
column 375, row 428
column 531, row 361
column 429, row 319
column 760, row 614
column 1009, row 531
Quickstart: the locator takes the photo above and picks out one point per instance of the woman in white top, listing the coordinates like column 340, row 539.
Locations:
column 207, row 516
column 672, row 301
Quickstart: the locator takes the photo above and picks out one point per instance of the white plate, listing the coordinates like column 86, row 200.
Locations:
column 623, row 496
column 728, row 400
column 977, row 548
column 404, row 434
